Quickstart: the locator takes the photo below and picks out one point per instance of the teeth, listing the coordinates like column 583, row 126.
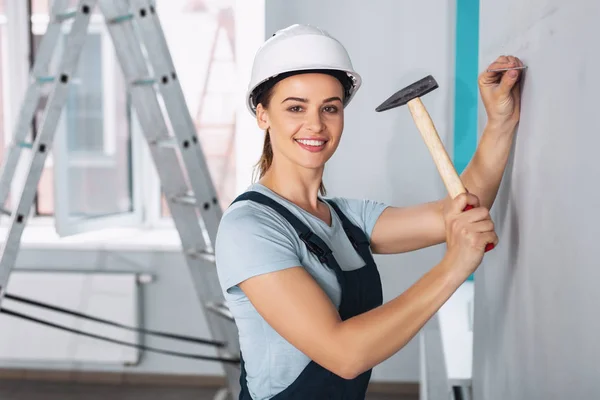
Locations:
column 312, row 142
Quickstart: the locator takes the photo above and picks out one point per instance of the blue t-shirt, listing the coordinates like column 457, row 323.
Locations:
column 253, row 239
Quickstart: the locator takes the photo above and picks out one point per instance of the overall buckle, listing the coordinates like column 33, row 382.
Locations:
column 313, row 246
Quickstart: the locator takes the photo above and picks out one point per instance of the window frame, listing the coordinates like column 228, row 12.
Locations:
column 64, row 158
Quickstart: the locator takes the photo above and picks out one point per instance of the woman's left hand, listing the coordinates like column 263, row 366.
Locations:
column 501, row 93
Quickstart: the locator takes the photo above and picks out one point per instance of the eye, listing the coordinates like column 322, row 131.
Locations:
column 330, row 109
column 295, row 109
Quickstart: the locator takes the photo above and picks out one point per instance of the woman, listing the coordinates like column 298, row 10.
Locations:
column 297, row 269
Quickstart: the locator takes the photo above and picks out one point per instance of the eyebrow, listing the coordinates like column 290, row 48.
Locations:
column 302, row 100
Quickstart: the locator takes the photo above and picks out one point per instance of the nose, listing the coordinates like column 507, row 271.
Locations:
column 314, row 121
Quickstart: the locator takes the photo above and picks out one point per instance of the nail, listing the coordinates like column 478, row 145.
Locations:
column 506, row 69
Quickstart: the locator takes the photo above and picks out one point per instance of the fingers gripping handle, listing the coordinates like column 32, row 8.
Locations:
column 488, row 246
column 438, row 152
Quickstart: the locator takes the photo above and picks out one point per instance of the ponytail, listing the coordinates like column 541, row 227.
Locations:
column 266, row 158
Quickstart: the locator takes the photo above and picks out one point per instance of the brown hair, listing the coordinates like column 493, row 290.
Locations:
column 264, row 94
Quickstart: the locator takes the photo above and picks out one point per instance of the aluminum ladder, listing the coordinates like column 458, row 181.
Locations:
column 148, row 68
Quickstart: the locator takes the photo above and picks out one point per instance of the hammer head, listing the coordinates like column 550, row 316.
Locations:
column 401, row 97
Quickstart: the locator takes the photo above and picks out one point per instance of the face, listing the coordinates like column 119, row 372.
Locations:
column 305, row 118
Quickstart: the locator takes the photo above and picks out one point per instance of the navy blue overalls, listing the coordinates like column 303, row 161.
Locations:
column 361, row 291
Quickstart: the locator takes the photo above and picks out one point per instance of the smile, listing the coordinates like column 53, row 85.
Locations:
column 316, row 143
column 311, row 145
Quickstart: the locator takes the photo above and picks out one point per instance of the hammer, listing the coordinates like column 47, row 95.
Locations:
column 411, row 95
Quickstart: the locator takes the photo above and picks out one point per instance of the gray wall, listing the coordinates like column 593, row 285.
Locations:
column 536, row 309
column 382, row 156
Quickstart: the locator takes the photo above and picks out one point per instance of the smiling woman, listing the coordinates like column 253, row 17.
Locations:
column 309, row 121
column 297, row 269
column 316, row 92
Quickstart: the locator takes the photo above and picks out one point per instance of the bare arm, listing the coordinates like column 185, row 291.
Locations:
column 296, row 307
column 483, row 175
column 403, row 229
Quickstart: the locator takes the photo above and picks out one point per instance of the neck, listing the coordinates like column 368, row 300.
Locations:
column 298, row 185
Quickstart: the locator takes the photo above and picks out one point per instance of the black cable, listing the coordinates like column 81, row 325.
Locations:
column 107, row 322
column 94, row 336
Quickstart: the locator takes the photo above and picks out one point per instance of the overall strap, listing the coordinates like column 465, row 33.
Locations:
column 357, row 237
column 313, row 242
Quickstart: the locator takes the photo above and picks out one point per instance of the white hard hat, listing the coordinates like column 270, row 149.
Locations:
column 300, row 48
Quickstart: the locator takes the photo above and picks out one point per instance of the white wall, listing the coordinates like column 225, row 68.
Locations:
column 536, row 297
column 250, row 22
column 382, row 156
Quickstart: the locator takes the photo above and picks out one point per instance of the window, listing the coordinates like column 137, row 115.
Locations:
column 93, row 174
column 100, row 170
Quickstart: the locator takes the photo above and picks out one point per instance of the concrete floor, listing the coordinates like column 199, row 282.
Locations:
column 32, row 390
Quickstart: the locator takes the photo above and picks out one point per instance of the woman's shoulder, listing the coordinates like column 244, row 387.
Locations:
column 363, row 212
column 251, row 240
column 357, row 206
column 246, row 217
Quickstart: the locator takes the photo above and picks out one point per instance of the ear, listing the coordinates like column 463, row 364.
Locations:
column 262, row 117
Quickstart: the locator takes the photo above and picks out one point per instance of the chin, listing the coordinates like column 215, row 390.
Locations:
column 309, row 160
column 313, row 164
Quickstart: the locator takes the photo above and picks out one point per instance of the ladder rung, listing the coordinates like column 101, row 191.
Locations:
column 203, row 254
column 25, row 145
column 144, row 81
column 5, row 211
column 70, row 13
column 44, row 79
column 170, row 142
column 119, row 19
column 184, row 199
column 221, row 310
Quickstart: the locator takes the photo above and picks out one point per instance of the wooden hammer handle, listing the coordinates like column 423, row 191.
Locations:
column 442, row 161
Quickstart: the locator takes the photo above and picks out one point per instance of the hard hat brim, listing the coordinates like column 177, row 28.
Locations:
column 299, row 53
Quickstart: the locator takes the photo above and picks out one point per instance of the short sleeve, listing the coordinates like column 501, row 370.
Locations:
column 252, row 242
column 364, row 212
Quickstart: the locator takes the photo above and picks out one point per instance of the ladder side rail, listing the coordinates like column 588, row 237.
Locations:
column 168, row 167
column 150, row 116
column 167, row 164
column 154, row 40
column 43, row 142
column 153, row 35
column 184, row 129
column 39, row 76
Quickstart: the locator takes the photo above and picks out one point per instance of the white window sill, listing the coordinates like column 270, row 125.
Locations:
column 126, row 239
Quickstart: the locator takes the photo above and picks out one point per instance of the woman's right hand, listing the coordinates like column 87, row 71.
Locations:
column 467, row 233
